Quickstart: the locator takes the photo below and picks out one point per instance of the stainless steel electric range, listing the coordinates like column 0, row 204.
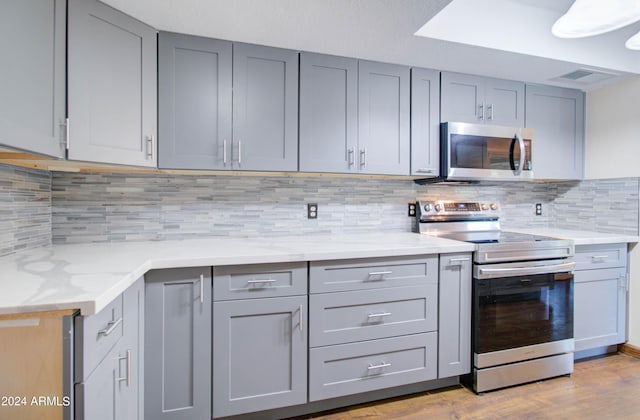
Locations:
column 522, row 322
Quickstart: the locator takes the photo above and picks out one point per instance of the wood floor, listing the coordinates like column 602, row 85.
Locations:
column 603, row 388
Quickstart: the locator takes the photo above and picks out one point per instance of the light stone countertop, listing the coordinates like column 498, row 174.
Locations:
column 579, row 237
column 89, row 276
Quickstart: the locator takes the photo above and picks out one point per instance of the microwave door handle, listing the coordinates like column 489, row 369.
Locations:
column 512, row 163
column 522, row 153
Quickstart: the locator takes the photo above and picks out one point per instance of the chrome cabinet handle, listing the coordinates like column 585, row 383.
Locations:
column 202, row 288
column 300, row 317
column 599, row 257
column 379, row 273
column 111, row 326
column 379, row 315
column 425, row 171
column 380, row 366
column 458, row 259
column 481, row 111
column 128, row 377
column 260, row 281
column 490, row 108
column 351, row 157
column 224, row 152
column 150, row 146
column 363, row 157
column 239, row 152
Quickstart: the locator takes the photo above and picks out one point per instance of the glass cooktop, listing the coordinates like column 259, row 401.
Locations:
column 497, row 237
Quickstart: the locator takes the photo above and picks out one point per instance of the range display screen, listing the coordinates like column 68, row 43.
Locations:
column 463, row 207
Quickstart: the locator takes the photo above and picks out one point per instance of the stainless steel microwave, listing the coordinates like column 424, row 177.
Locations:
column 479, row 152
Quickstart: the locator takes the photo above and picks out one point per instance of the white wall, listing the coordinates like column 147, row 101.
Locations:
column 613, row 151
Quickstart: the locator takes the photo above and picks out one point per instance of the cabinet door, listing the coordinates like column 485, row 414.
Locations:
column 112, row 86
column 600, row 299
column 425, row 122
column 462, row 98
column 328, row 113
column 259, row 354
column 194, row 102
column 177, row 360
column 131, row 356
column 557, row 118
column 454, row 346
column 265, row 108
column 383, row 118
column 97, row 397
column 32, row 86
column 504, row 102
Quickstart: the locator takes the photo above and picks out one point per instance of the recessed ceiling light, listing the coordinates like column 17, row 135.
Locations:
column 594, row 17
column 633, row 43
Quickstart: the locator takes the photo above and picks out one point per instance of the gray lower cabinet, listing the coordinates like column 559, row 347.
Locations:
column 600, row 296
column 265, row 108
column 194, row 102
column 425, row 122
column 259, row 354
column 33, row 48
column 454, row 329
column 109, row 358
column 557, row 118
column 328, row 113
column 177, row 361
column 383, row 118
column 481, row 100
column 111, row 86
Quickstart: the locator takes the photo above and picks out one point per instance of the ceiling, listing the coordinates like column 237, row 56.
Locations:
column 508, row 39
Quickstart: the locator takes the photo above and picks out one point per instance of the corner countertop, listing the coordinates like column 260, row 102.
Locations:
column 580, row 237
column 89, row 276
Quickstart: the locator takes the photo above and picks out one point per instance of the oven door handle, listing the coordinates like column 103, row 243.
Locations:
column 527, row 271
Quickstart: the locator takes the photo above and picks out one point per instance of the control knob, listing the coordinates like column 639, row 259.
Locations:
column 484, row 206
column 438, row 207
column 427, row 207
column 494, row 206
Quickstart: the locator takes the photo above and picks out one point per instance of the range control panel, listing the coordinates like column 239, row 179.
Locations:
column 455, row 207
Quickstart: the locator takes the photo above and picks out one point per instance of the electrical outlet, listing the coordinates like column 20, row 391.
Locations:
column 312, row 210
column 412, row 210
column 538, row 209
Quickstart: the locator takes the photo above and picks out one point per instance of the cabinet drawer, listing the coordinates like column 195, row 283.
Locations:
column 95, row 336
column 589, row 257
column 371, row 273
column 366, row 315
column 259, row 281
column 359, row 367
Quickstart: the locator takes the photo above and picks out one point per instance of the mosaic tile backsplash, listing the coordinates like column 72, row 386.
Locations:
column 25, row 209
column 38, row 207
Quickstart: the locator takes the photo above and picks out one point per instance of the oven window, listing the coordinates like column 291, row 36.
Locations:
column 478, row 152
column 520, row 311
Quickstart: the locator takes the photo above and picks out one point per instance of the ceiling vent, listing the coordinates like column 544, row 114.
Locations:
column 585, row 77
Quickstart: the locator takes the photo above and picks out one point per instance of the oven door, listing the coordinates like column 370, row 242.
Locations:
column 522, row 317
column 478, row 152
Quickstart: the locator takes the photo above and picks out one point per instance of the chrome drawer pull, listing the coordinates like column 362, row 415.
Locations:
column 458, row 259
column 201, row 288
column 378, row 315
column 380, row 366
column 261, row 281
column 112, row 325
column 380, row 273
column 128, row 377
column 599, row 257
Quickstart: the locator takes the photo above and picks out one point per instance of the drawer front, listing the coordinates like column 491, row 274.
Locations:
column 371, row 273
column 259, row 281
column 96, row 335
column 346, row 317
column 589, row 257
column 347, row 369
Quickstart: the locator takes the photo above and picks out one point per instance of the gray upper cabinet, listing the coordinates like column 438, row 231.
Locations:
column 265, row 108
column 383, row 119
column 328, row 113
column 111, row 86
column 32, row 87
column 557, row 118
column 425, row 122
column 177, row 360
column 475, row 99
column 454, row 344
column 194, row 102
